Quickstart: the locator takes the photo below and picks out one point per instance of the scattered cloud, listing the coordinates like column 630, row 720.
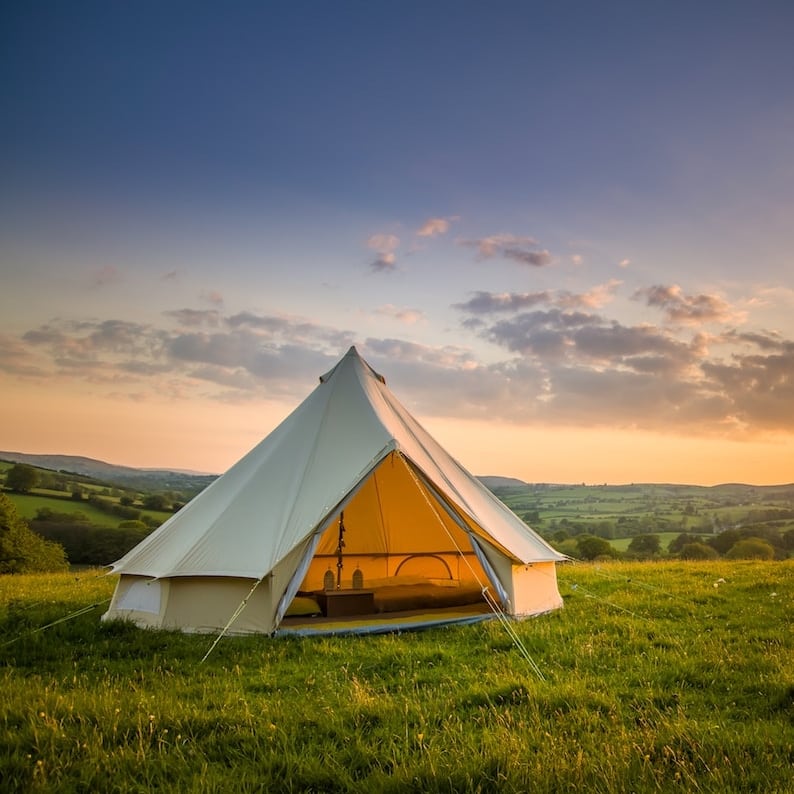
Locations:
column 524, row 257
column 403, row 315
column 523, row 250
column 172, row 275
column 597, row 371
column 385, row 263
column 577, row 259
column 383, row 242
column 687, row 309
column 492, row 302
column 190, row 318
column 624, row 262
column 434, row 227
column 594, row 298
column 555, row 357
column 384, row 245
column 212, row 297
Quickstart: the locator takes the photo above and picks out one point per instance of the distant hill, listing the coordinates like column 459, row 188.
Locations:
column 144, row 479
column 494, row 481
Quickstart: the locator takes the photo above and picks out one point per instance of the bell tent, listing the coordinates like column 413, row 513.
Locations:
column 349, row 507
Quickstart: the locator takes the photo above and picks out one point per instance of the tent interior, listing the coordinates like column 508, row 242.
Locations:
column 397, row 541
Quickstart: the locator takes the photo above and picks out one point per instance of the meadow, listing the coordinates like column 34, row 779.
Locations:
column 664, row 676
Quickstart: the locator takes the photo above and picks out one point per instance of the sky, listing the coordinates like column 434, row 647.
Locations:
column 563, row 232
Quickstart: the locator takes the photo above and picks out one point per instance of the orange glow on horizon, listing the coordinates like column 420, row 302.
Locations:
column 204, row 435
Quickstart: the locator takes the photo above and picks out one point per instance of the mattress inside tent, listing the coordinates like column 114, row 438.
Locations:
column 399, row 604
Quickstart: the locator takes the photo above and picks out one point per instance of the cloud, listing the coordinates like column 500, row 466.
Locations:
column 385, row 245
column 16, row 358
column 385, row 263
column 687, row 309
column 492, row 302
column 534, row 258
column 508, row 246
column 543, row 357
column 212, row 296
column 764, row 340
column 172, row 275
column 404, row 315
column 190, row 318
column 594, row 298
column 577, row 259
column 624, row 262
column 447, row 356
column 488, row 247
column 434, row 227
column 383, row 242
column 595, row 371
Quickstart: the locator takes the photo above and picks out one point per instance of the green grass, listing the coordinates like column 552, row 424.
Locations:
column 29, row 504
column 658, row 677
column 622, row 544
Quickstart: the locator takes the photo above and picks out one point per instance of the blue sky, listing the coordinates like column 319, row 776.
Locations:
column 551, row 223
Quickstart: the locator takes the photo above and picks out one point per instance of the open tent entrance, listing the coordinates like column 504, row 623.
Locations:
column 400, row 545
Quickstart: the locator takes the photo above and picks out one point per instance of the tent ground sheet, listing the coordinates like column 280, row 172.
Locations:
column 382, row 623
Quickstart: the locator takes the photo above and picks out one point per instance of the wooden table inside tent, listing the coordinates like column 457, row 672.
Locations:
column 342, row 603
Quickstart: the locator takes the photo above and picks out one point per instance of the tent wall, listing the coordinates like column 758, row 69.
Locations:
column 531, row 588
column 203, row 603
column 196, row 604
column 535, row 588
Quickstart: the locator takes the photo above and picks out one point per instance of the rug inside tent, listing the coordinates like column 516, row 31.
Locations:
column 385, row 622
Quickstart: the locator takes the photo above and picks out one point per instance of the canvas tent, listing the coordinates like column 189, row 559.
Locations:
column 350, row 457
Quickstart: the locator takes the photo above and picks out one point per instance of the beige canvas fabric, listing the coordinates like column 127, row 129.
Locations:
column 349, row 449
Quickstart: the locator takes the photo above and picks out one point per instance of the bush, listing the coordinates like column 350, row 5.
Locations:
column 751, row 549
column 89, row 545
column 115, row 509
column 22, row 478
column 645, row 545
column 569, row 547
column 23, row 551
column 132, row 525
column 591, row 547
column 684, row 539
column 698, row 551
column 725, row 540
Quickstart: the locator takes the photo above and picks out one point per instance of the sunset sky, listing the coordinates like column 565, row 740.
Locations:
column 563, row 232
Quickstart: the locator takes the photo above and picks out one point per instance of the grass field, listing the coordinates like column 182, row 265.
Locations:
column 622, row 544
column 28, row 505
column 656, row 677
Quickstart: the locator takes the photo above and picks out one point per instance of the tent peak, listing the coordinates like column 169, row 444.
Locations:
column 352, row 358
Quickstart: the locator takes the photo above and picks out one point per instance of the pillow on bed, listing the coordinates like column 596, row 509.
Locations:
column 303, row 606
column 424, row 596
